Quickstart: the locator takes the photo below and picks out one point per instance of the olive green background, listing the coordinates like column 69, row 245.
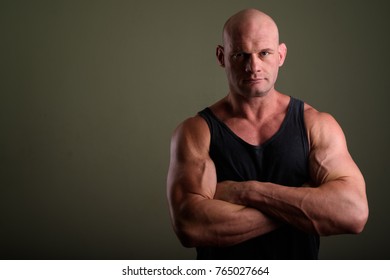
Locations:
column 91, row 92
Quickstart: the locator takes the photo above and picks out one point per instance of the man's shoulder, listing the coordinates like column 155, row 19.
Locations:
column 321, row 125
column 313, row 117
column 193, row 123
column 194, row 128
column 191, row 138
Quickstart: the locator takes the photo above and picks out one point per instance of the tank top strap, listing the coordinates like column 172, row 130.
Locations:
column 298, row 121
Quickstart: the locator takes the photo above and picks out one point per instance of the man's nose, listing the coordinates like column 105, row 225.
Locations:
column 253, row 64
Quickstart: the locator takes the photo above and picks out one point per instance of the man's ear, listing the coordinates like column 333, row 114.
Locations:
column 282, row 53
column 220, row 55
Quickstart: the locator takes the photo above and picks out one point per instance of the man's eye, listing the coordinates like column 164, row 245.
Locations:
column 264, row 53
column 238, row 55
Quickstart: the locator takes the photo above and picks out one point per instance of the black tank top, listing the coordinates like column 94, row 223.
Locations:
column 283, row 159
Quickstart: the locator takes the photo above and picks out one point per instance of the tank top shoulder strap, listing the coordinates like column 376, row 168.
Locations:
column 298, row 121
column 210, row 119
column 296, row 109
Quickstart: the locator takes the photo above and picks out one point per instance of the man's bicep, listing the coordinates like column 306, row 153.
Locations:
column 191, row 174
column 191, row 168
column 329, row 157
column 191, row 179
column 340, row 204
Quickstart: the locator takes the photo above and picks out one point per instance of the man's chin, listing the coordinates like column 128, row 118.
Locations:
column 255, row 93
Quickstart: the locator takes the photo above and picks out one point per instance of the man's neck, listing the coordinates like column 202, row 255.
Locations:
column 253, row 108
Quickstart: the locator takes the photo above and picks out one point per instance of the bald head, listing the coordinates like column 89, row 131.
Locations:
column 251, row 49
column 249, row 22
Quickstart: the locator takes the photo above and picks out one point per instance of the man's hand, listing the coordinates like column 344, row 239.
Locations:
column 229, row 191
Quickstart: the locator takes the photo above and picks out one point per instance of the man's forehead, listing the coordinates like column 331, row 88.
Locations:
column 260, row 35
column 252, row 43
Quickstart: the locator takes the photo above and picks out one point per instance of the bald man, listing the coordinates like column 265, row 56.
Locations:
column 259, row 174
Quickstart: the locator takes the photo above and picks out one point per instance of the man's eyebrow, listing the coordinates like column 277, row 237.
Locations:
column 240, row 50
column 267, row 50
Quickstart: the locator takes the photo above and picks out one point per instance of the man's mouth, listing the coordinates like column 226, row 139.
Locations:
column 253, row 81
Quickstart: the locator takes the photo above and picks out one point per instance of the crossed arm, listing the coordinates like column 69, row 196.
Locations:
column 199, row 219
column 205, row 213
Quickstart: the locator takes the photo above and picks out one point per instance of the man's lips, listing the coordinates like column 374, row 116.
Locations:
column 253, row 81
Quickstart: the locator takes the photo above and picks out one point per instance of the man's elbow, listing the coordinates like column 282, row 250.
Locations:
column 355, row 216
column 359, row 220
column 187, row 235
column 355, row 222
column 193, row 235
column 186, row 240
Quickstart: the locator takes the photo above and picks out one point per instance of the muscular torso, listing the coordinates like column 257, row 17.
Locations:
column 273, row 150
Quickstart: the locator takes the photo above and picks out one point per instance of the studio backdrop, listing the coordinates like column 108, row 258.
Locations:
column 91, row 92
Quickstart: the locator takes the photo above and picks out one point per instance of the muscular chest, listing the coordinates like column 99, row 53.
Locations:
column 256, row 132
column 281, row 158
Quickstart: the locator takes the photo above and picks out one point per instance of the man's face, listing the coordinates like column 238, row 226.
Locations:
column 252, row 58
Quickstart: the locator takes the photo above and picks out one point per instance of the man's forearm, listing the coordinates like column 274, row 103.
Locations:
column 328, row 209
column 212, row 222
column 267, row 199
column 283, row 203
